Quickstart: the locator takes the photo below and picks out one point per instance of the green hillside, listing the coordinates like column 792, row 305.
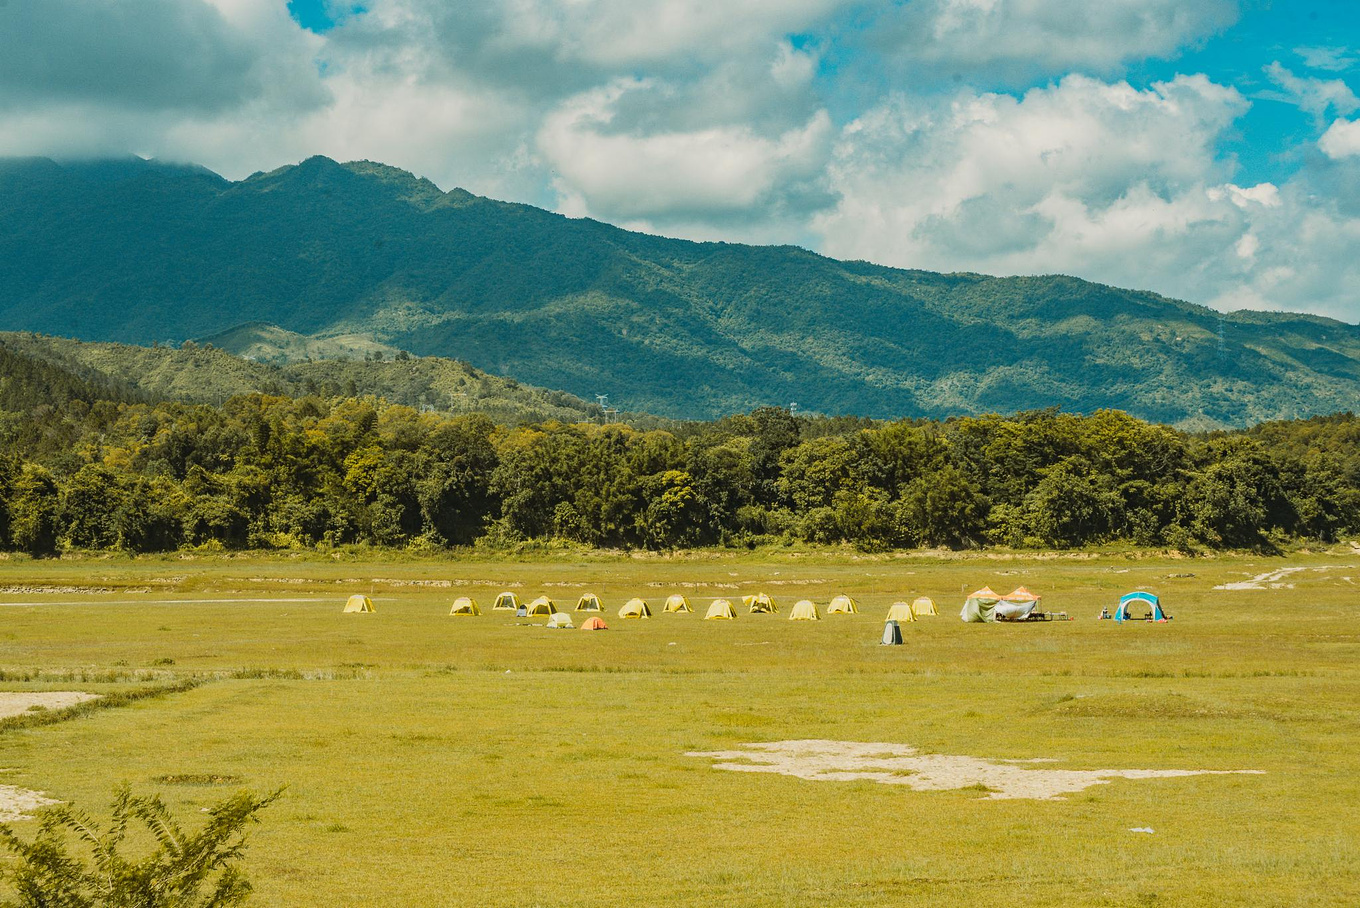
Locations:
column 138, row 252
column 37, row 368
column 271, row 344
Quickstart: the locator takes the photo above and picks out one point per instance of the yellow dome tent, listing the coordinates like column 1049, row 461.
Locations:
column 506, row 600
column 760, row 604
column 842, row 605
column 358, row 603
column 677, row 603
column 924, row 606
column 804, row 610
column 542, row 606
column 465, row 605
column 635, row 608
column 720, row 609
column 589, row 603
column 900, row 612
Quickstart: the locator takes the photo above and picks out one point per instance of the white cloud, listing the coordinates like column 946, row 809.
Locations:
column 552, row 44
column 1048, row 36
column 1315, row 97
column 668, row 174
column 995, row 171
column 1329, row 59
column 615, row 32
column 1341, row 140
column 1085, row 177
column 187, row 56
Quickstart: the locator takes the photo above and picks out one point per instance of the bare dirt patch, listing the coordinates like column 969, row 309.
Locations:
column 16, row 703
column 18, row 803
column 1273, row 580
column 899, row 764
column 1270, row 580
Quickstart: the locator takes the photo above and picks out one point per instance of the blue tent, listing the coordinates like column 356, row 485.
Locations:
column 1139, row 598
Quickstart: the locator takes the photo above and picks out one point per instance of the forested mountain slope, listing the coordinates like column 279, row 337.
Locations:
column 54, row 369
column 138, row 252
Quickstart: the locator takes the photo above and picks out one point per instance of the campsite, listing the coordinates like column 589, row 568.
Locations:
column 474, row 756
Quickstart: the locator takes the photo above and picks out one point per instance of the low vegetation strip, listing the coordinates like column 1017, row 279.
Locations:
column 89, row 704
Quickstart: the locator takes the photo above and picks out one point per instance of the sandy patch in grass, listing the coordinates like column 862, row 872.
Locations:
column 16, row 703
column 899, row 764
column 18, row 803
column 1272, row 580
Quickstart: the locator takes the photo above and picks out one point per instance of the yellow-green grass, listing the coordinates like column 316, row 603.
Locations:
column 438, row 760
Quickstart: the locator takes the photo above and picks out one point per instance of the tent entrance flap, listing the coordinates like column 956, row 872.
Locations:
column 1145, row 605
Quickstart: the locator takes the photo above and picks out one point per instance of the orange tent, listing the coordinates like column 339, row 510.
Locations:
column 595, row 623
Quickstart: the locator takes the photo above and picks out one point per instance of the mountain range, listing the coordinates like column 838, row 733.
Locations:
column 363, row 258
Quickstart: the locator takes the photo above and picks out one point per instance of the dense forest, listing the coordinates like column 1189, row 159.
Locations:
column 87, row 464
column 142, row 252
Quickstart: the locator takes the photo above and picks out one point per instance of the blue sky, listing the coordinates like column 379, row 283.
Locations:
column 1274, row 130
column 1208, row 150
column 321, row 16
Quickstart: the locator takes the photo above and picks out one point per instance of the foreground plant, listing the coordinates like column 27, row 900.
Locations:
column 185, row 870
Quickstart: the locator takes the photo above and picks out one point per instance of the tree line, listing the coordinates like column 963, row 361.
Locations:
column 276, row 472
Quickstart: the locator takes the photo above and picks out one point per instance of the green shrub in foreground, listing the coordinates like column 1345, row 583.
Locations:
column 184, row 870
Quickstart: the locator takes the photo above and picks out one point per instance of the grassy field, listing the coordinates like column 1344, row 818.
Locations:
column 443, row 761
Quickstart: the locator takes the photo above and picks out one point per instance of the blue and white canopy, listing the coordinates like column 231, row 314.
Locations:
column 1143, row 599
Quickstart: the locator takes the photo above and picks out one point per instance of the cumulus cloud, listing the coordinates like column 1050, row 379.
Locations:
column 614, row 32
column 185, row 55
column 1341, row 140
column 559, row 47
column 1024, row 37
column 668, row 174
column 1007, row 171
column 1085, row 177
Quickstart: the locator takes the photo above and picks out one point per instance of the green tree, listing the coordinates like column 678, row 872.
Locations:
column 33, row 511
column 944, row 508
column 1072, row 505
column 90, row 503
column 1225, row 504
column 675, row 513
column 455, row 498
column 814, row 473
column 9, row 469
